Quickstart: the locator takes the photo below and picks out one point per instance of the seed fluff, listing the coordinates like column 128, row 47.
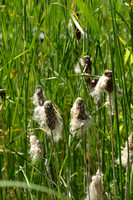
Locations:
column 105, row 83
column 79, row 116
column 96, row 187
column 35, row 148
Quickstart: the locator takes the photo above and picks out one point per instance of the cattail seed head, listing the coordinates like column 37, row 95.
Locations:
column 49, row 117
column 79, row 116
column 35, row 148
column 105, row 83
column 38, row 98
column 96, row 187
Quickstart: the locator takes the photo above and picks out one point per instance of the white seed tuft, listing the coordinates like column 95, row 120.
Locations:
column 35, row 149
column 96, row 187
column 79, row 117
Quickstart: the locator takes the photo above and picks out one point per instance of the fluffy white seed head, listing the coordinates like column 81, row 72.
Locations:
column 100, row 87
column 35, row 148
column 105, row 83
column 96, row 187
column 79, row 116
column 124, row 152
column 38, row 97
column 49, row 117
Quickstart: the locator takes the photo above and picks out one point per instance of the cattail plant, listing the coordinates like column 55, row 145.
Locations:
column 80, row 121
column 38, row 97
column 105, row 83
column 49, row 117
column 96, row 187
column 38, row 100
column 36, row 154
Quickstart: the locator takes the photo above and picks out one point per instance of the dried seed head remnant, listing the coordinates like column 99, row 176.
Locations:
column 85, row 63
column 35, row 149
column 79, row 116
column 38, row 98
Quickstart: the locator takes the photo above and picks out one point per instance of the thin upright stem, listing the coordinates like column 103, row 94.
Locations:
column 126, row 189
column 55, row 162
column 47, row 157
column 49, row 185
column 88, row 137
column 86, row 165
column 112, row 144
column 98, row 141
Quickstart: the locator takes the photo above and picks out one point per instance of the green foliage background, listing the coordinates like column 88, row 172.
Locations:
column 25, row 62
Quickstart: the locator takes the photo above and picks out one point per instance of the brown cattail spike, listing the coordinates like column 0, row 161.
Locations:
column 81, row 107
column 50, row 115
column 109, row 84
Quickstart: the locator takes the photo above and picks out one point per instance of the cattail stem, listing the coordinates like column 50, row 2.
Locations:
column 49, row 185
column 47, row 156
column 126, row 190
column 85, row 164
column 98, row 141
column 88, row 137
column 112, row 144
column 55, row 162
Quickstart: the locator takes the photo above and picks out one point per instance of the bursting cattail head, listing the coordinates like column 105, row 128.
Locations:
column 48, row 116
column 35, row 148
column 79, row 116
column 96, row 187
column 105, row 83
column 38, row 98
column 86, row 64
column 124, row 152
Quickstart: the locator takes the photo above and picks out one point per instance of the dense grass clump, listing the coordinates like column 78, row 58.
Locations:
column 53, row 53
